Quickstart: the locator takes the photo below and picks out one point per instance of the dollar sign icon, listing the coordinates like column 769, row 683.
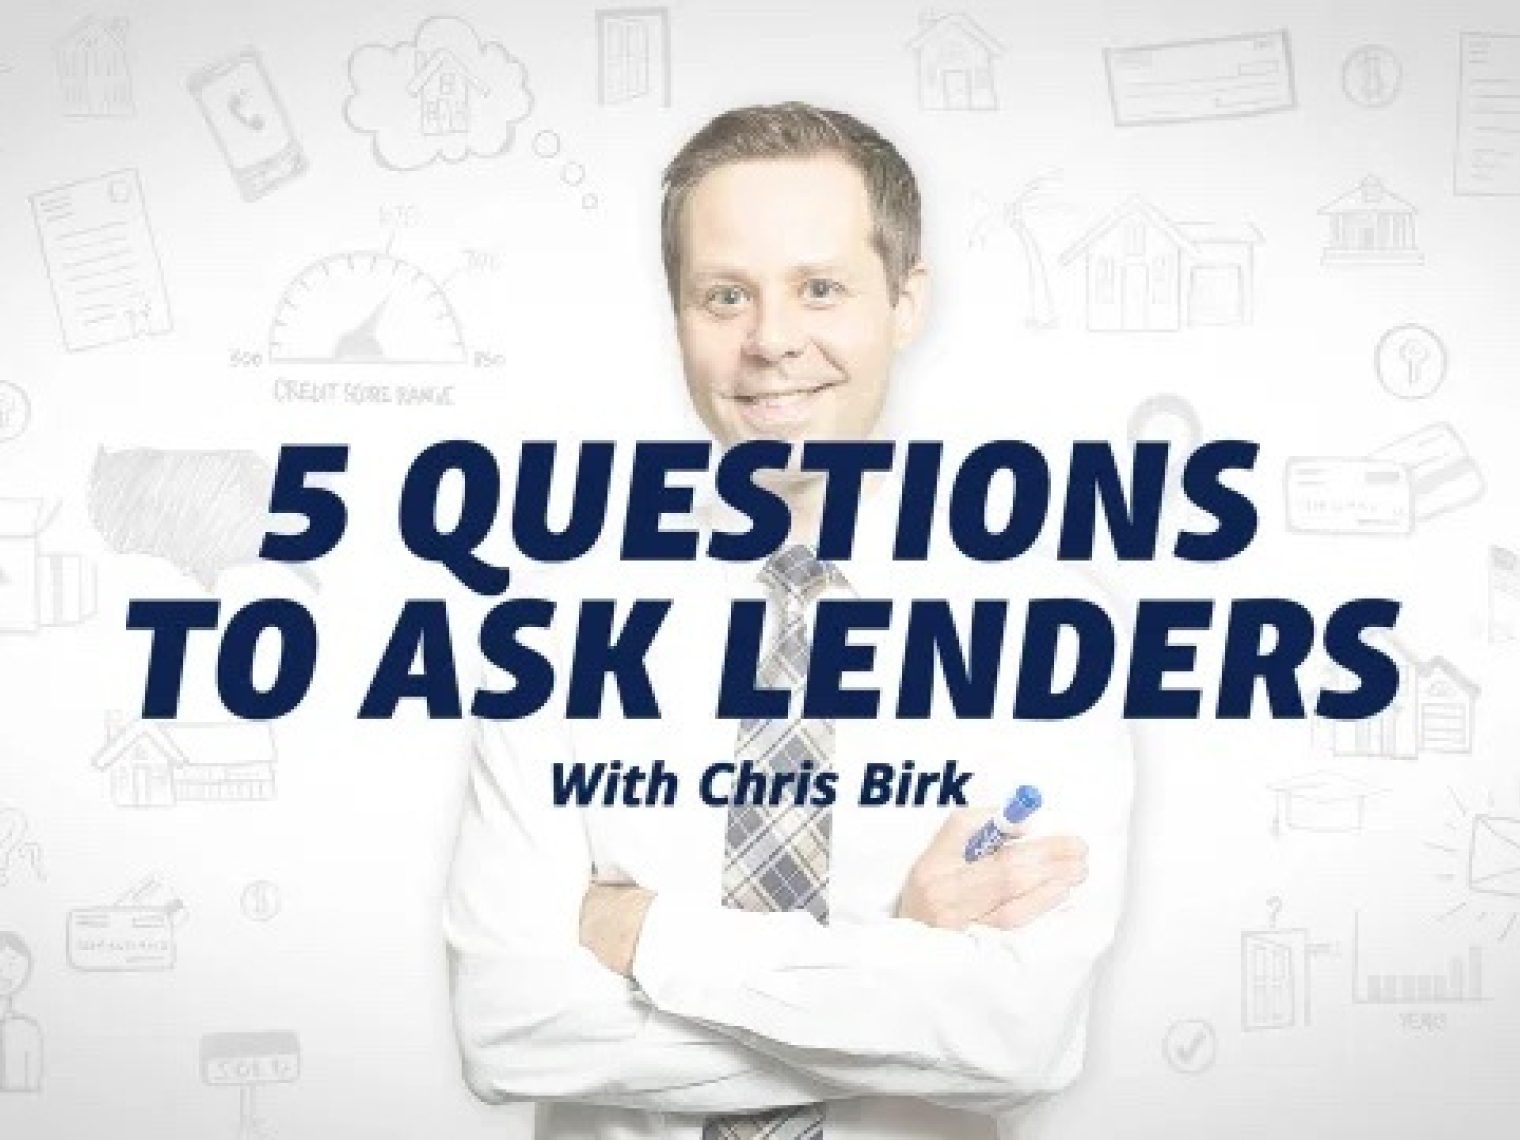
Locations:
column 1370, row 76
column 261, row 901
column 15, row 411
column 1372, row 80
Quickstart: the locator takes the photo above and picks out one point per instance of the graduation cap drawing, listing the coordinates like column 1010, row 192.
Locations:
column 1322, row 801
column 1493, row 860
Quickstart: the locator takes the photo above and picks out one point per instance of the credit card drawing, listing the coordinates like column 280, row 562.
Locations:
column 1225, row 78
column 1443, row 474
column 249, row 123
column 121, row 938
column 101, row 260
column 133, row 934
column 1349, row 496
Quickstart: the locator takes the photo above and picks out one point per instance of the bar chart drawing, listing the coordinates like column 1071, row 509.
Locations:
column 1459, row 984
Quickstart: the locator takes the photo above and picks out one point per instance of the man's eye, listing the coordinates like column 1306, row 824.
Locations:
column 821, row 289
column 724, row 298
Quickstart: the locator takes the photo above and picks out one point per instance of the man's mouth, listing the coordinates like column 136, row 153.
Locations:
column 780, row 409
column 781, row 397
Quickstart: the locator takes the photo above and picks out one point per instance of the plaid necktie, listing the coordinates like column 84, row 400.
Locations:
column 777, row 858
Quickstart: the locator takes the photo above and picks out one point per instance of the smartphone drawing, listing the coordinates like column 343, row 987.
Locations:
column 249, row 123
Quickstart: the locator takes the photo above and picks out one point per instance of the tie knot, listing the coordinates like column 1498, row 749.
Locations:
column 796, row 576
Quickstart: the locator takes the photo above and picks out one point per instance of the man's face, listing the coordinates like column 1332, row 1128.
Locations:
column 784, row 314
column 14, row 969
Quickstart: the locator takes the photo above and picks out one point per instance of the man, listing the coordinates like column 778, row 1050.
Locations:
column 796, row 970
column 20, row 1039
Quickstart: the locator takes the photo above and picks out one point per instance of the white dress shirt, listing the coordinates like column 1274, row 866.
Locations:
column 905, row 1030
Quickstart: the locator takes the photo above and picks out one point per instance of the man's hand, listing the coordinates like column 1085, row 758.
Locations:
column 1008, row 889
column 612, row 915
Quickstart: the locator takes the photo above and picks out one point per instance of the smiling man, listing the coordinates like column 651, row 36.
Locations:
column 814, row 967
column 791, row 245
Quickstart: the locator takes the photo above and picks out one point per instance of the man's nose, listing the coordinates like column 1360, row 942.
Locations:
column 776, row 333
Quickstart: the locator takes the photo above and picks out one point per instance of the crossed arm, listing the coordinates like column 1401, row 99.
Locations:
column 725, row 1011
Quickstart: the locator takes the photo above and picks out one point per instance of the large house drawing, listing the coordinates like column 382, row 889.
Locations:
column 954, row 55
column 1147, row 273
column 1371, row 226
column 1433, row 711
column 161, row 763
column 442, row 84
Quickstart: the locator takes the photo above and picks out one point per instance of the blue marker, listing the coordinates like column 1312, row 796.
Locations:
column 999, row 829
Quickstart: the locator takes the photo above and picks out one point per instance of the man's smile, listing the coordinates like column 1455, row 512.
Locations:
column 780, row 407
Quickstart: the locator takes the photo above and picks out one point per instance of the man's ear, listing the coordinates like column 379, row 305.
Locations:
column 912, row 304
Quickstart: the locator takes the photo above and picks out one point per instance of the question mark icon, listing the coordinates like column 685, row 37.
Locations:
column 32, row 853
column 1274, row 908
column 12, row 830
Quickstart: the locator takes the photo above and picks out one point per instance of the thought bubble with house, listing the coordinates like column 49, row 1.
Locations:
column 447, row 94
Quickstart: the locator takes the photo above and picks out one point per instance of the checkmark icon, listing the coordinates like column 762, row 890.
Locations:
column 1190, row 1046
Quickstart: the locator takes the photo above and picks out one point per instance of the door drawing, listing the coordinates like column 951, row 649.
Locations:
column 1134, row 297
column 633, row 66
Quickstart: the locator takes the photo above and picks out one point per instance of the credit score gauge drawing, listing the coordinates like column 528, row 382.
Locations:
column 365, row 308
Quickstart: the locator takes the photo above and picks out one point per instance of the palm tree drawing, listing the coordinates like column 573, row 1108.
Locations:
column 1033, row 197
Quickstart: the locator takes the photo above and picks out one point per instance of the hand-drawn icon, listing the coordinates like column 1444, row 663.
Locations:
column 135, row 934
column 1227, row 78
column 20, row 1036
column 1410, row 361
column 260, row 901
column 204, row 512
column 249, row 123
column 1322, row 801
column 1482, row 862
column 38, row 589
column 633, row 57
column 1443, row 475
column 15, row 411
column 94, row 70
column 1435, row 709
column 447, row 94
column 1459, row 983
column 15, row 847
column 1190, row 1047
column 1371, row 75
column 1488, row 146
column 156, row 763
column 1168, row 418
column 247, row 1061
column 1412, row 480
column 1371, row 226
column 1146, row 273
column 954, row 62
column 365, row 308
column 546, row 144
column 1503, row 595
column 1348, row 496
column 1014, row 214
column 1275, row 986
column 101, row 260
column 1493, row 866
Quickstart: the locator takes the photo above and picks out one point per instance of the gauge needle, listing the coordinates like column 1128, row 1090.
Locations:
column 361, row 341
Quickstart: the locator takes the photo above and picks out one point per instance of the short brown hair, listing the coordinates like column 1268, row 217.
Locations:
column 800, row 130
